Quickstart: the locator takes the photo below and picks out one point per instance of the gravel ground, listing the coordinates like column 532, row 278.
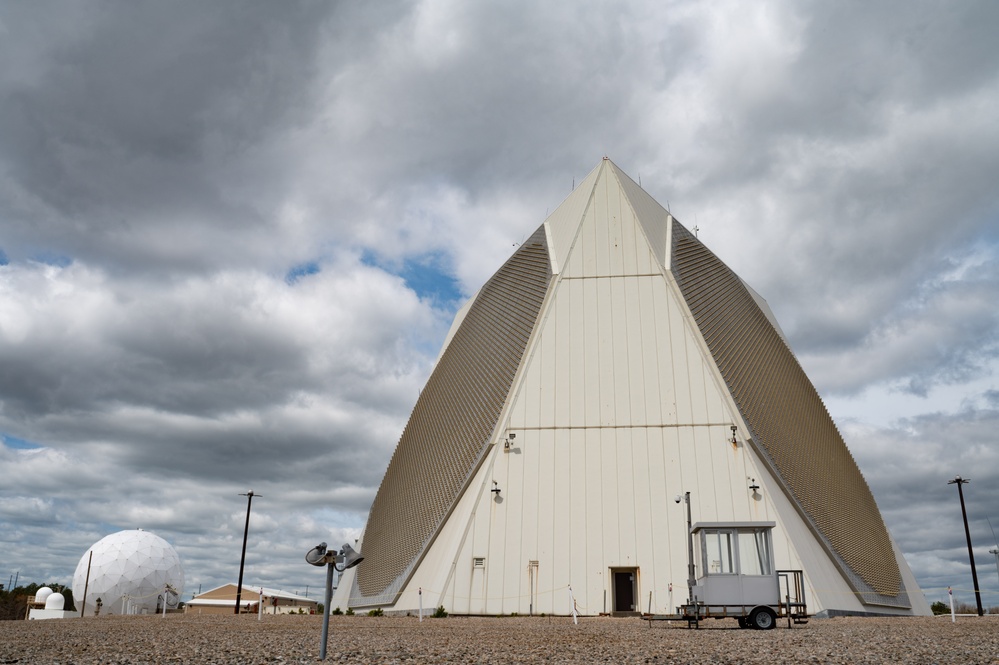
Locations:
column 295, row 639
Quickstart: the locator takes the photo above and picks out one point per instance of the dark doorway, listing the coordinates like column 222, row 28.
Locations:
column 624, row 591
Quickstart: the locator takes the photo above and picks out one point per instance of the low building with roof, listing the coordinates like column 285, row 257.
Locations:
column 222, row 599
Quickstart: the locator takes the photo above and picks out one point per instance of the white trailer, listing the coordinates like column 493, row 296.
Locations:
column 737, row 578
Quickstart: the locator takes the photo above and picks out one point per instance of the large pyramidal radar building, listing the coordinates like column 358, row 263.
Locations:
column 612, row 363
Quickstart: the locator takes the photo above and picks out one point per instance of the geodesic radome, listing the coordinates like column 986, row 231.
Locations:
column 128, row 573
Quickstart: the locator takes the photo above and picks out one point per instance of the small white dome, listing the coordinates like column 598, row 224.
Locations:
column 42, row 594
column 55, row 601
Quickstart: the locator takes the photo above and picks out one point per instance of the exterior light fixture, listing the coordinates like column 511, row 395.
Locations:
column 508, row 442
column 320, row 556
column 734, row 430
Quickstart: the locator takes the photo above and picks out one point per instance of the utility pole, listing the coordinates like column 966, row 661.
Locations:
column 242, row 559
column 959, row 481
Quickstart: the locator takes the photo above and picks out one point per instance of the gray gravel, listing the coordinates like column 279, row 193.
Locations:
column 295, row 639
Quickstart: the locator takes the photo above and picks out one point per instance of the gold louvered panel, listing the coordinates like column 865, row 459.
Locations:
column 788, row 420
column 454, row 416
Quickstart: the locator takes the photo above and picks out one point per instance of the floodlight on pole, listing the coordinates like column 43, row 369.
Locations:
column 959, row 481
column 242, row 559
column 320, row 556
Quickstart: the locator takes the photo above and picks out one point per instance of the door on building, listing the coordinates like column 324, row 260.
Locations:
column 625, row 587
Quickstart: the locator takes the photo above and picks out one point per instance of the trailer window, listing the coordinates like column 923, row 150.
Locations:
column 754, row 553
column 718, row 552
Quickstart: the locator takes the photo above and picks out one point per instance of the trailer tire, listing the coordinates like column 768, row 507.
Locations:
column 763, row 618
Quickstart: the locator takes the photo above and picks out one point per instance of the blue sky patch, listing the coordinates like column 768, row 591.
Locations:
column 428, row 275
column 53, row 259
column 18, row 444
column 300, row 271
column 3, row 258
column 430, row 281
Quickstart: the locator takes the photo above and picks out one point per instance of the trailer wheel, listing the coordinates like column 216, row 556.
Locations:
column 763, row 618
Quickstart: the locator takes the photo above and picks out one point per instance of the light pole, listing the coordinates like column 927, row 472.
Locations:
column 959, row 481
column 691, row 574
column 242, row 559
column 320, row 556
column 996, row 553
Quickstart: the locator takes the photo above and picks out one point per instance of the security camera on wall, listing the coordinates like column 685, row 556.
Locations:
column 678, row 498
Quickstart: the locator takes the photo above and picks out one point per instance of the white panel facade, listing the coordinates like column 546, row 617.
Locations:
column 605, row 493
column 564, row 222
column 617, row 408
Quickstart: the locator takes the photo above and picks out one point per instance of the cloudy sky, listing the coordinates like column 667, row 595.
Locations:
column 233, row 236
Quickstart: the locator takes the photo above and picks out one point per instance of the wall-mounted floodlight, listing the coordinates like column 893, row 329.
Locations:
column 753, row 486
column 495, row 490
column 509, row 440
column 734, row 430
column 321, row 556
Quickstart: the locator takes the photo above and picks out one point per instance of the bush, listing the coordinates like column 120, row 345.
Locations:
column 440, row 612
column 337, row 611
column 940, row 607
column 376, row 612
column 349, row 612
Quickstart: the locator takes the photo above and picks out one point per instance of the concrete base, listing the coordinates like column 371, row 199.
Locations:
column 52, row 614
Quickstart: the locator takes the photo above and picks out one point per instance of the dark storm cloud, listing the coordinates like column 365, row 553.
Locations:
column 854, row 184
column 118, row 138
column 945, row 333
column 214, row 376
column 908, row 467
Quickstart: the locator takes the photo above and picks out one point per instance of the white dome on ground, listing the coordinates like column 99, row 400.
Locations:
column 55, row 601
column 42, row 594
column 136, row 564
